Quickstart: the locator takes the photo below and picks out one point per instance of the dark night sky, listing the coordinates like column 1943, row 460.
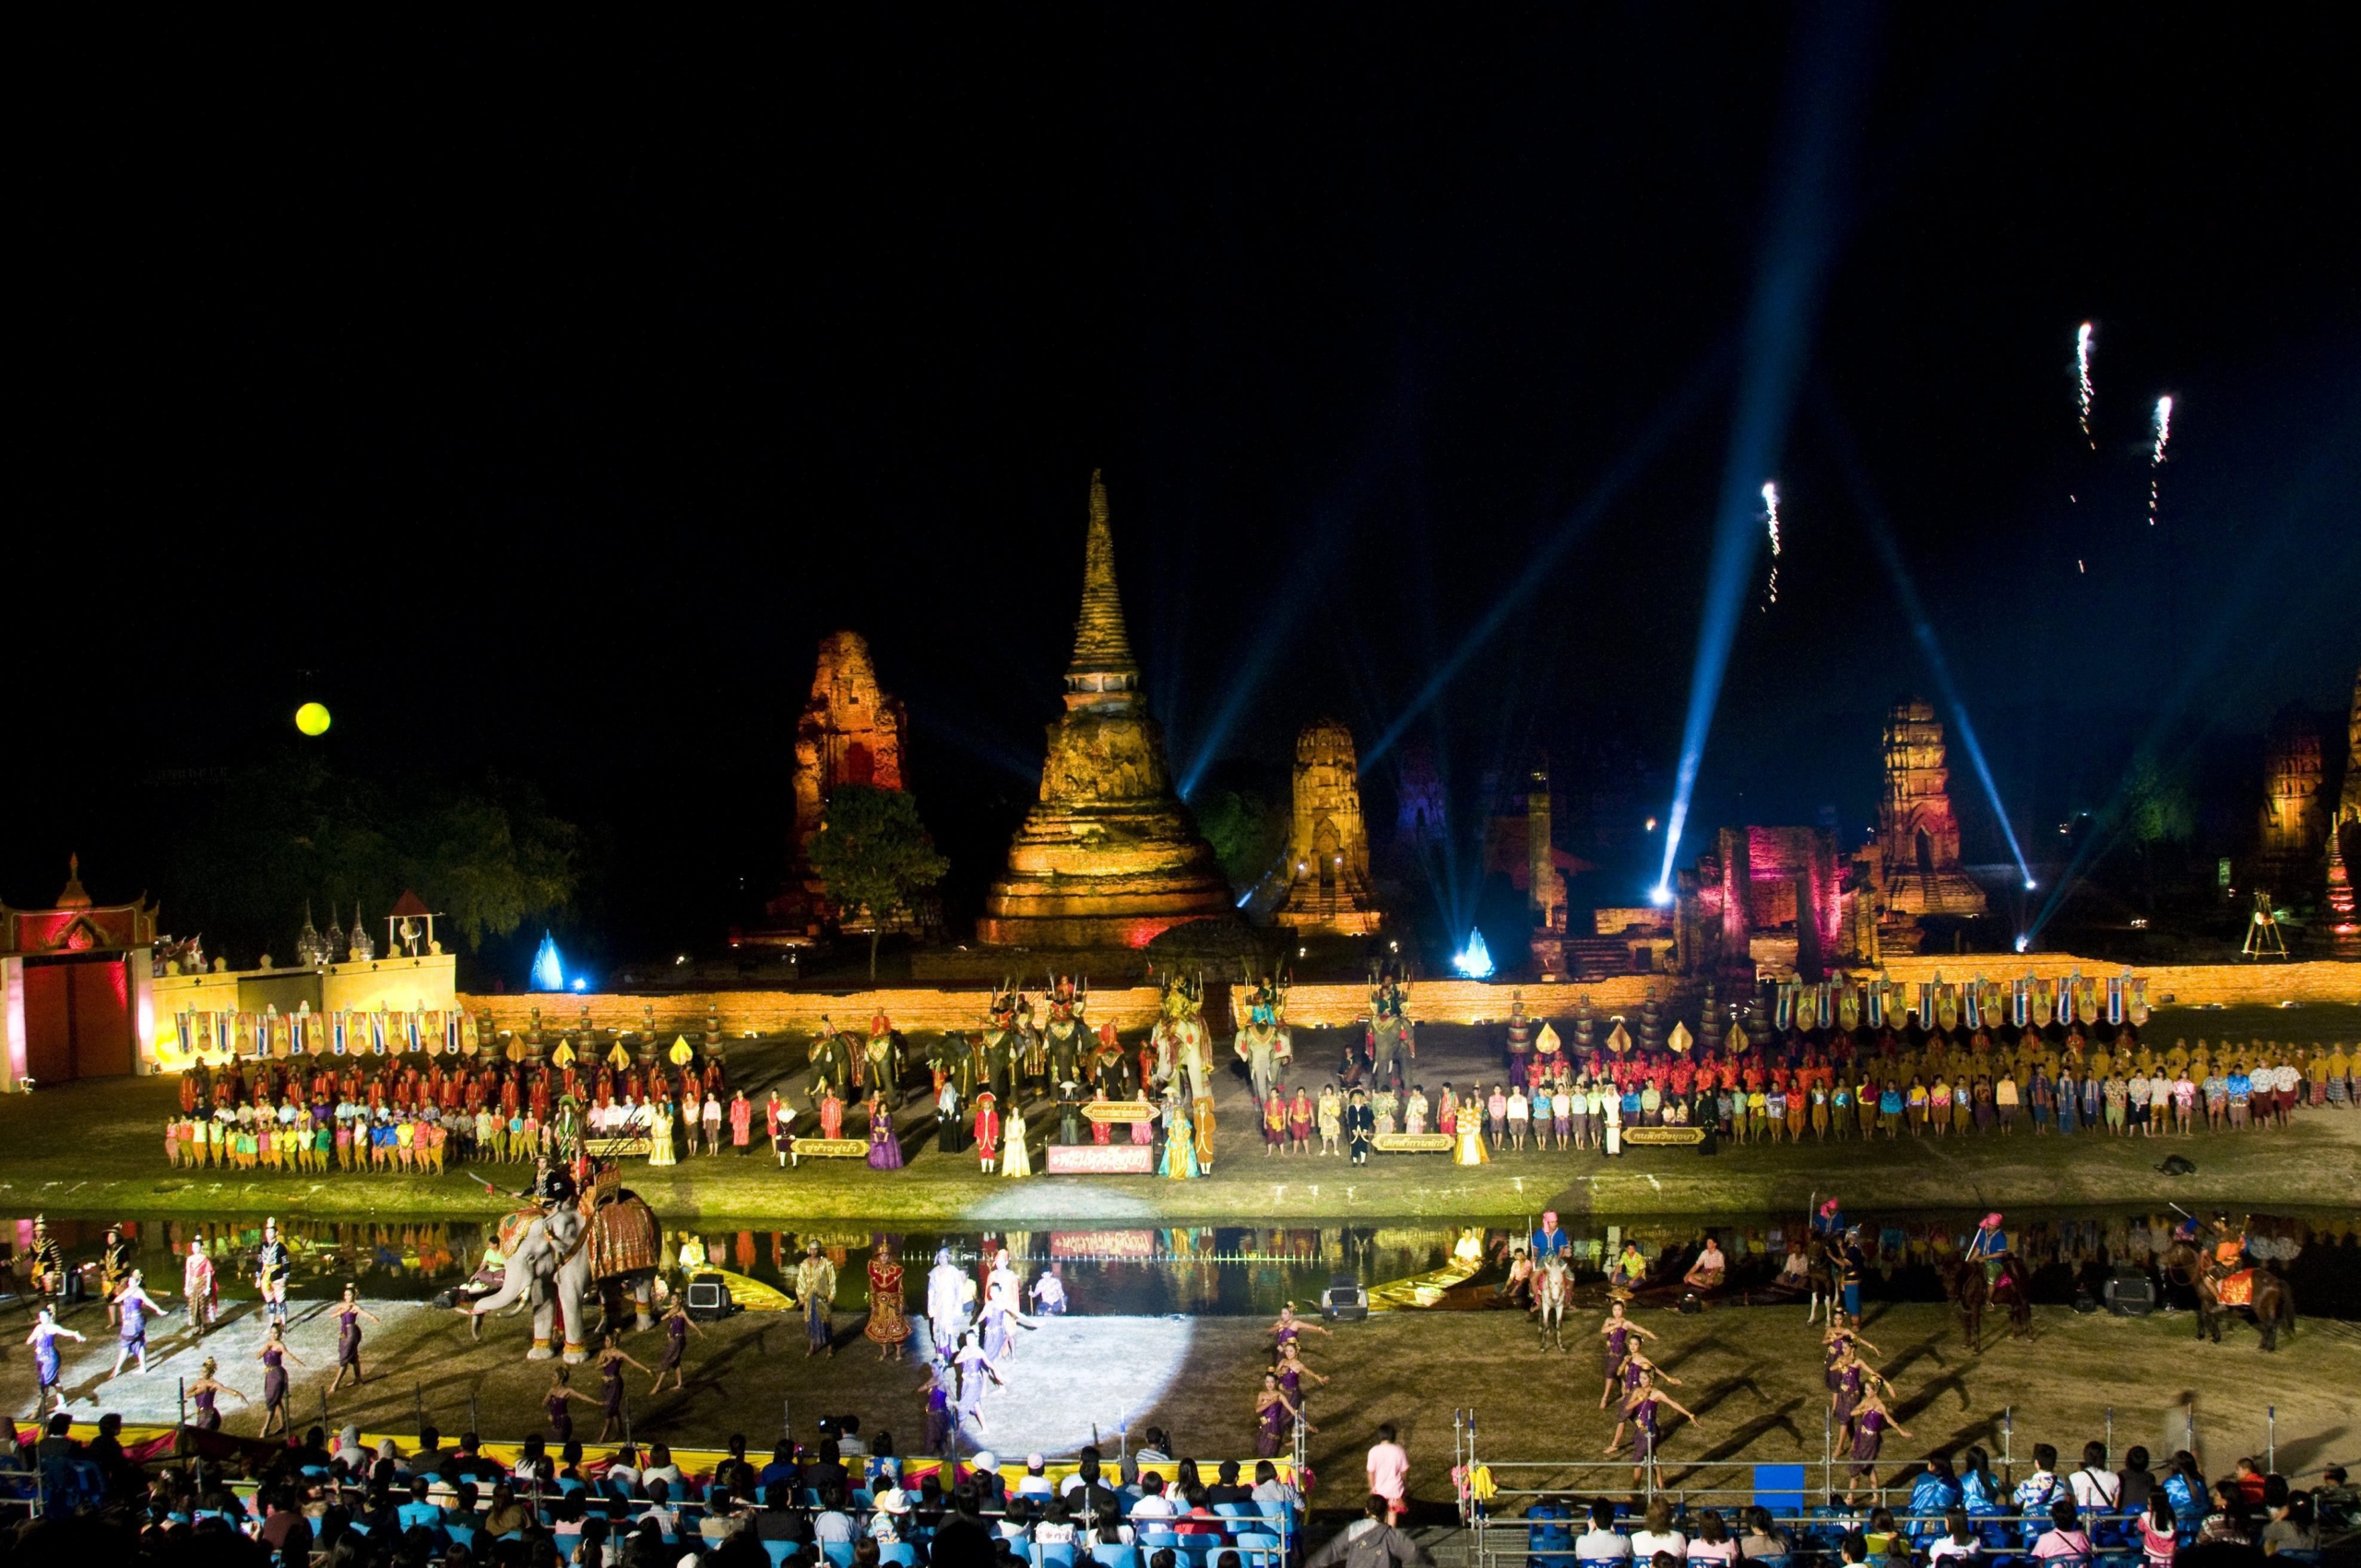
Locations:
column 547, row 402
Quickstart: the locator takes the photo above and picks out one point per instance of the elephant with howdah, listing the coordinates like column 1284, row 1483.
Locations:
column 562, row 1261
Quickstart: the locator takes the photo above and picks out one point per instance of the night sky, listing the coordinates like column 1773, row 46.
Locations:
column 539, row 405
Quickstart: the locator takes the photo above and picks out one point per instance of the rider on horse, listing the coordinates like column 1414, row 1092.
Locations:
column 1988, row 1246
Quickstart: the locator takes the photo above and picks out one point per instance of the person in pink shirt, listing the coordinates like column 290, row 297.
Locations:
column 1389, row 1473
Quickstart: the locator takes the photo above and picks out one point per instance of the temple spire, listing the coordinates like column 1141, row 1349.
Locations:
column 1103, row 673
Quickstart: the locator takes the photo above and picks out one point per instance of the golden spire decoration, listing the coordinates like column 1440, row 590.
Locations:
column 1103, row 672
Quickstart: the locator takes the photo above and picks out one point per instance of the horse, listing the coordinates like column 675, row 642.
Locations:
column 1965, row 1282
column 1553, row 1289
column 1822, row 1271
column 2269, row 1301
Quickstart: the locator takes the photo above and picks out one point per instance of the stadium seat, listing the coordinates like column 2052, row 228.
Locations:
column 778, row 1551
column 839, row 1552
column 1116, row 1556
column 900, row 1552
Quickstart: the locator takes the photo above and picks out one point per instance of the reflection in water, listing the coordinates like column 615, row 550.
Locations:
column 1221, row 1270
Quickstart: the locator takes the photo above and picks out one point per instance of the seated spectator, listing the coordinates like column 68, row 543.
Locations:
column 782, row 1468
column 646, row 1548
column 1980, row 1488
column 1055, row 1527
column 1959, row 1539
column 1157, row 1449
column 724, row 1516
column 508, row 1513
column 622, row 1472
column 2335, row 1501
column 1104, row 1525
column 2098, row 1490
column 1200, row 1519
column 1934, row 1491
column 833, row 1525
column 1035, row 1482
column 1602, row 1543
column 1368, row 1542
column 284, row 1529
column 1763, row 1537
column 992, row 1491
column 2250, row 1481
column 348, row 1452
column 2159, row 1538
column 1268, row 1486
column 533, row 1461
column 2039, row 1490
column 590, row 1547
column 428, row 1458
column 1153, row 1504
column 1547, row 1535
column 1713, row 1542
column 1226, row 1488
column 659, row 1467
column 418, row 1511
column 2135, row 1481
column 2293, row 1528
column 2065, row 1538
column 1707, row 1272
column 660, row 1508
column 891, row 1516
column 1657, row 1533
column 883, row 1464
column 2226, row 1524
column 848, row 1440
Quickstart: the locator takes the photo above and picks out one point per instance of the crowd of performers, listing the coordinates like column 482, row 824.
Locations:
column 1023, row 1081
column 424, row 1111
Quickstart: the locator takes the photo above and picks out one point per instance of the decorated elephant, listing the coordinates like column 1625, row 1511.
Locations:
column 562, row 1261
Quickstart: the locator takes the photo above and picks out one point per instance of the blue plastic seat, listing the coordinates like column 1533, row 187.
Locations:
column 1116, row 1555
column 778, row 1551
column 1232, row 1511
column 839, row 1552
column 1257, row 1550
column 1057, row 1555
column 900, row 1552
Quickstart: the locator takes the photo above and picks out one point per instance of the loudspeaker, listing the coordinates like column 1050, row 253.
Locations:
column 709, row 1298
column 2130, row 1295
column 1343, row 1301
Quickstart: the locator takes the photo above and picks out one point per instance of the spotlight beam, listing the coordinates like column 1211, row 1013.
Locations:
column 1880, row 532
column 1636, row 459
column 1824, row 74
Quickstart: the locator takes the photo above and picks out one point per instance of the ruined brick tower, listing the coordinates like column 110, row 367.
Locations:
column 1327, row 841
column 1918, row 832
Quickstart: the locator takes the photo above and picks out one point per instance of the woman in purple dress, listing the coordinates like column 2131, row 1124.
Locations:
column 1275, row 1418
column 136, row 1307
column 612, row 1362
column 678, row 1325
column 558, row 1400
column 1641, row 1410
column 206, row 1395
column 885, row 1145
column 46, row 1360
column 349, row 1314
column 274, row 1357
column 1871, row 1422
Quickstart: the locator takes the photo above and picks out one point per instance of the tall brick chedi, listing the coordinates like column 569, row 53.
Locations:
column 850, row 732
column 1327, row 841
column 1108, row 856
column 1917, row 832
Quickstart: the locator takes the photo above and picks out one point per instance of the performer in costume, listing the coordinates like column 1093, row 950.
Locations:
column 678, row 1326
column 116, row 1256
column 199, row 1289
column 1291, row 1373
column 1622, row 1336
column 815, row 1288
column 1301, row 1116
column 940, row 1386
column 1468, row 1146
column 559, row 1403
column 1016, row 1159
column 975, row 1369
column 349, row 1314
column 49, row 1261
column 1275, row 1417
column 1361, row 1126
column 134, row 1307
column 889, row 1326
column 987, row 1133
column 274, row 1357
column 1180, row 1160
column 1332, row 1120
column 1870, row 1425
column 946, row 1304
column 206, row 1395
column 611, row 1363
column 47, row 1363
column 1643, row 1409
column 884, row 1144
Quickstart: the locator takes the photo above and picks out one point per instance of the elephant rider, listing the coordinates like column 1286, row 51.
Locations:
column 1988, row 1246
column 552, row 1186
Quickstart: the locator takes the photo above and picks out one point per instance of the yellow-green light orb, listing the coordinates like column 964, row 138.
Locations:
column 313, row 718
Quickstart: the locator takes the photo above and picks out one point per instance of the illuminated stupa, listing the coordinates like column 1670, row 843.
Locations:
column 1108, row 856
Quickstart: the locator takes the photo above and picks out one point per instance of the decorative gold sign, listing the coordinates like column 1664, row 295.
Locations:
column 831, row 1148
column 1119, row 1111
column 1673, row 1136
column 1412, row 1142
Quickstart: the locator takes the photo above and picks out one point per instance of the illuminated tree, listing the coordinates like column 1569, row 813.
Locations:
column 874, row 855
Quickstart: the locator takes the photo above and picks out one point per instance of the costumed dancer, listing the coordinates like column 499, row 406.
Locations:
column 49, row 1261
column 274, row 1357
column 47, row 1363
column 1180, row 1160
column 939, row 1385
column 136, row 1307
column 1468, row 1146
column 946, row 1304
column 559, row 1403
column 199, row 1288
column 1017, row 1159
column 1641, row 1409
column 815, row 1288
column 1361, row 1126
column 349, row 1314
column 116, row 1255
column 273, row 1265
column 678, row 1326
column 884, row 1144
column 1273, row 1417
column 1291, row 1372
column 975, row 1369
column 1871, row 1422
column 1289, row 1328
column 889, row 1326
column 986, row 1130
column 1621, row 1335
column 611, row 1363
column 206, row 1395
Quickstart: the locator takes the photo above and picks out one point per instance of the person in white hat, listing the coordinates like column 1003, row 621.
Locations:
column 1036, row 1482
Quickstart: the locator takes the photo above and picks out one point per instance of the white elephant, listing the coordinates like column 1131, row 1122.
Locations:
column 561, row 1262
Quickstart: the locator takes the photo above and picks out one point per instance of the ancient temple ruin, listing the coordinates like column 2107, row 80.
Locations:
column 1108, row 856
column 1917, row 832
column 850, row 732
column 2293, row 836
column 1328, row 888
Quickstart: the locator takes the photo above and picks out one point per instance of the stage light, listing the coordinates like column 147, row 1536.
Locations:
column 2024, row 943
column 1660, row 895
column 581, row 984
column 1652, row 825
column 1475, row 960
column 312, row 718
column 2031, row 884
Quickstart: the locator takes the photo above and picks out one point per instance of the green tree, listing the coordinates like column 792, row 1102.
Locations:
column 2157, row 811
column 1246, row 832
column 872, row 853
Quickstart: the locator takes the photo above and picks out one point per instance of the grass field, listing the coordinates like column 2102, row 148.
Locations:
column 96, row 1148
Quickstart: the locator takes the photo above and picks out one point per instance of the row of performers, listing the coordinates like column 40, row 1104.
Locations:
column 400, row 1083
column 1803, row 1062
